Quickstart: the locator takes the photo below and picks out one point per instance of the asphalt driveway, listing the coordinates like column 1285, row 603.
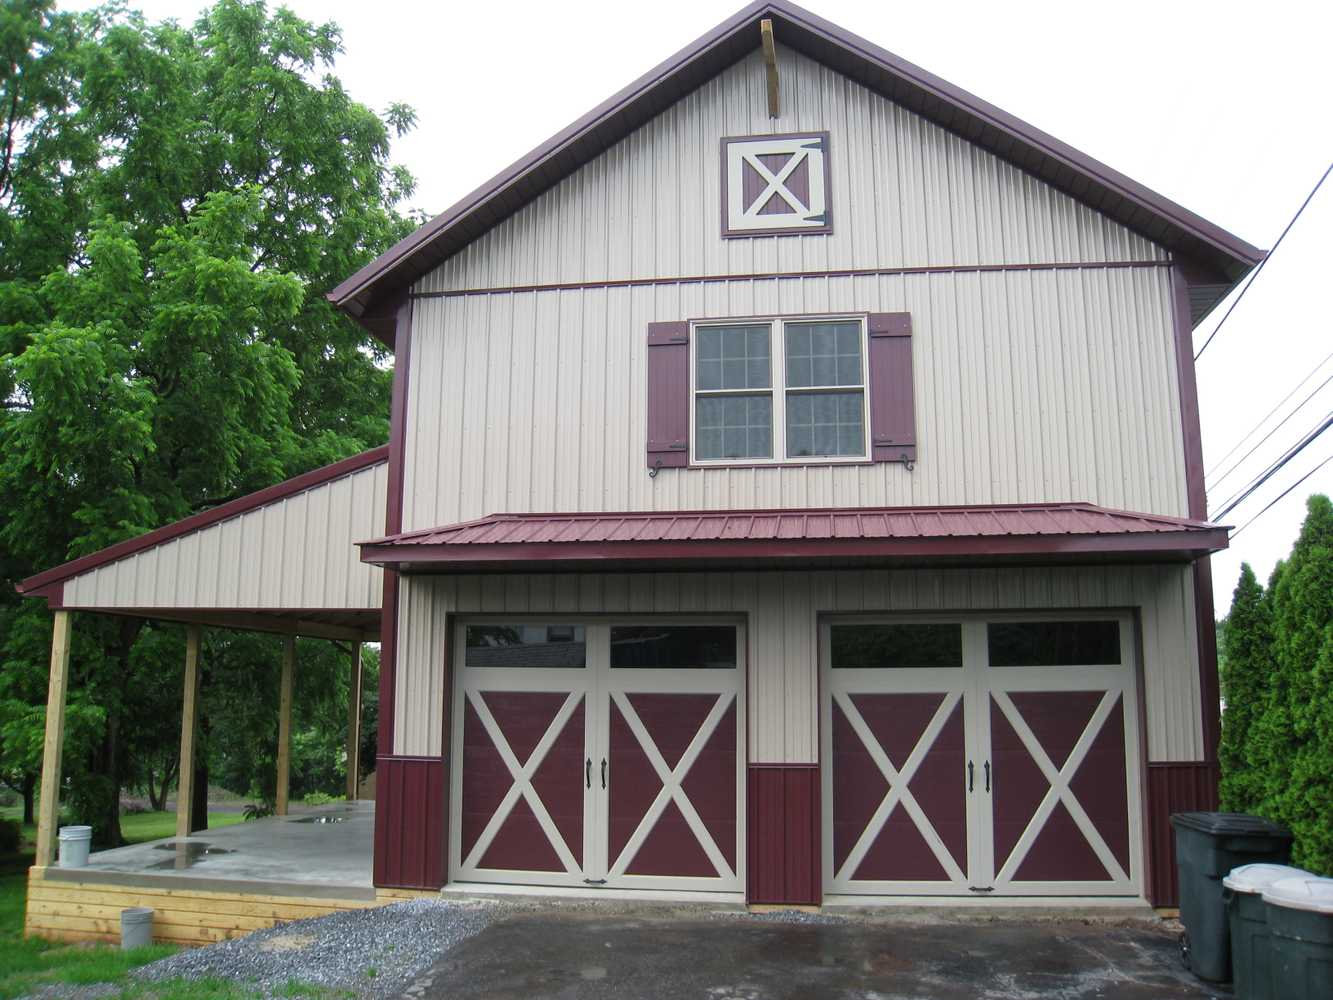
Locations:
column 537, row 954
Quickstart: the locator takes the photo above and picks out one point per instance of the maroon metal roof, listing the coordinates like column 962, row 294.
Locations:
column 505, row 541
column 1057, row 163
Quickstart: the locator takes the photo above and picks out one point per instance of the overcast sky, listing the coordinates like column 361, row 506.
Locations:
column 1221, row 106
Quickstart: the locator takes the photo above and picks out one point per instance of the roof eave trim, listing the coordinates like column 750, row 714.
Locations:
column 1196, row 541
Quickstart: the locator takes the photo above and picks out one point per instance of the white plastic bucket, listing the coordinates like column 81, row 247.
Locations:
column 74, row 844
column 136, row 927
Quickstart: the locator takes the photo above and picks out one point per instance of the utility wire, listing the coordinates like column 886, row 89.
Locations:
column 1281, row 495
column 1241, row 461
column 1267, row 257
column 1273, row 469
column 1236, row 447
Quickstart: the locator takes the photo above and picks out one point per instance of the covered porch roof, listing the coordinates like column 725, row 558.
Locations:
column 280, row 560
column 835, row 536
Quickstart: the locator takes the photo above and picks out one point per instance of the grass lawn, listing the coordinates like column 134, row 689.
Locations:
column 29, row 964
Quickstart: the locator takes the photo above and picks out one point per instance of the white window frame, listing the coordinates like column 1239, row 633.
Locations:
column 778, row 389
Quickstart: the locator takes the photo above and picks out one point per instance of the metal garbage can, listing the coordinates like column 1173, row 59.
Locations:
column 1208, row 846
column 136, row 927
column 1300, row 922
column 75, row 842
column 1251, row 954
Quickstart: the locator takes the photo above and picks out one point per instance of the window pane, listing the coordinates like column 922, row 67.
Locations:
column 694, row 647
column 733, row 427
column 733, row 357
column 825, row 423
column 515, row 645
column 1053, row 644
column 901, row 646
column 823, row 354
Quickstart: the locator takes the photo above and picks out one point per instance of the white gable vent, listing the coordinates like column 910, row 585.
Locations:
column 775, row 184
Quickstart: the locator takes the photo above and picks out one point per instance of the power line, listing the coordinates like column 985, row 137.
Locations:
column 1280, row 496
column 1236, row 447
column 1273, row 469
column 1267, row 257
column 1258, row 444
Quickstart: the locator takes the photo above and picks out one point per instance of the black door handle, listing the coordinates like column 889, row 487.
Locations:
column 603, row 772
column 988, row 776
column 969, row 776
column 587, row 772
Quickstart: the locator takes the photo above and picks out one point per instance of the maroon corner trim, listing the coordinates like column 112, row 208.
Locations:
column 1191, row 432
column 782, row 834
column 223, row 512
column 410, row 822
column 824, row 230
column 393, row 520
column 1173, row 787
column 1031, row 149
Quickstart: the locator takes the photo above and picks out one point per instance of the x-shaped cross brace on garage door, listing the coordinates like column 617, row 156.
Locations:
column 899, row 793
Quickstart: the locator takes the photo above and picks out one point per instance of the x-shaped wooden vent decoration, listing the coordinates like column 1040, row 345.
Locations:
column 775, row 184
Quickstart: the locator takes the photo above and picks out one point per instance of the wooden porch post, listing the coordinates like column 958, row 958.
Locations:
column 48, row 814
column 354, row 724
column 189, row 725
column 285, row 724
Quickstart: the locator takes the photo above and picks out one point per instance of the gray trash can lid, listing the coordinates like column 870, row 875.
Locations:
column 1257, row 878
column 1229, row 824
column 1305, row 893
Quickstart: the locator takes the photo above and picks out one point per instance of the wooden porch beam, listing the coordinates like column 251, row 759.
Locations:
column 48, row 813
column 285, row 724
column 189, row 726
column 770, row 65
column 354, row 724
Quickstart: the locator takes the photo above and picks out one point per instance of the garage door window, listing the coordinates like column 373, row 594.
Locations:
column 693, row 647
column 1053, row 643
column 906, row 646
column 525, row 645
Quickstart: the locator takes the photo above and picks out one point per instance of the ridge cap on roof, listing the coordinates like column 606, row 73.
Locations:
column 356, row 292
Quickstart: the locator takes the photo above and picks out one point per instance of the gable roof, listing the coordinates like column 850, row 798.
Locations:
column 1223, row 257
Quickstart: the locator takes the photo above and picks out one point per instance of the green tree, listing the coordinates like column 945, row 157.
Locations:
column 175, row 201
column 1247, row 664
column 1302, row 616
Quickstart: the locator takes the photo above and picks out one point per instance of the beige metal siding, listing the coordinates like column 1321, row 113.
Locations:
column 905, row 192
column 782, row 609
column 295, row 553
column 1030, row 386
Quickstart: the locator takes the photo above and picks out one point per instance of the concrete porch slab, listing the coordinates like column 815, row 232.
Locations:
column 327, row 850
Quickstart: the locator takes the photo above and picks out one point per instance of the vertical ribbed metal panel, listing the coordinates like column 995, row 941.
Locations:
column 299, row 552
column 1030, row 386
column 783, row 609
column 904, row 193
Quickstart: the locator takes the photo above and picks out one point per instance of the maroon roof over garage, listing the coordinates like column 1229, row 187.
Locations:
column 1225, row 257
column 503, row 542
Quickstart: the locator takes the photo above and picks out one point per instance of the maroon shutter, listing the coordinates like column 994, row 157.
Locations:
column 668, row 395
column 892, row 418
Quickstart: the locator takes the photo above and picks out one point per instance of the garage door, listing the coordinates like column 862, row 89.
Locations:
column 981, row 757
column 595, row 754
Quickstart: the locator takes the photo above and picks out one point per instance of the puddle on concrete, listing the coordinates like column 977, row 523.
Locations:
column 187, row 854
column 320, row 819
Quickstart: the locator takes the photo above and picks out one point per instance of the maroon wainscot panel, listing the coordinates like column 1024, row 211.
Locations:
column 410, row 831
column 782, row 833
column 1173, row 788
